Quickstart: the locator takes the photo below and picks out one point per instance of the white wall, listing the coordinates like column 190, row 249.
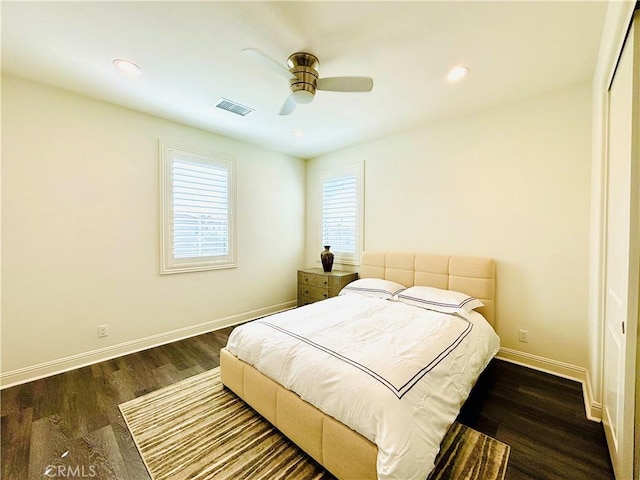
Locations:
column 80, row 244
column 80, row 221
column 512, row 183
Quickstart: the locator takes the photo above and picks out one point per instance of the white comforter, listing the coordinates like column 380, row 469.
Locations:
column 395, row 373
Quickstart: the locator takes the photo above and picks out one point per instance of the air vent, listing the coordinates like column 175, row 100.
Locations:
column 233, row 107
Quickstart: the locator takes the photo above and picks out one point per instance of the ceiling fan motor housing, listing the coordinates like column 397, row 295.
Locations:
column 305, row 67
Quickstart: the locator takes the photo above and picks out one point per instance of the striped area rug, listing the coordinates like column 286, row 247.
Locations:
column 197, row 430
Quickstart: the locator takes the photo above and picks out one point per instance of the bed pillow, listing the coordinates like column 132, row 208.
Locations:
column 445, row 301
column 373, row 287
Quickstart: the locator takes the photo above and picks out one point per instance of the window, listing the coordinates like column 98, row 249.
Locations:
column 342, row 208
column 198, row 209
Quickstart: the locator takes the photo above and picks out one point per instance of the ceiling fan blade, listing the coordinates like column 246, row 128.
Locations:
column 269, row 62
column 345, row 84
column 288, row 106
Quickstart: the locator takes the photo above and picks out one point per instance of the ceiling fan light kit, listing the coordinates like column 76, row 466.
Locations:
column 304, row 79
column 305, row 68
column 302, row 93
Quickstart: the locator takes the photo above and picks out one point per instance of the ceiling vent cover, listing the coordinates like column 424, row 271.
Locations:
column 233, row 107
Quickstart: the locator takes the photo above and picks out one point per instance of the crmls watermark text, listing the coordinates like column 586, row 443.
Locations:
column 68, row 471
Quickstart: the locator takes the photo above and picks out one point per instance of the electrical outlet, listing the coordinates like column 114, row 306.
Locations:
column 103, row 330
column 524, row 336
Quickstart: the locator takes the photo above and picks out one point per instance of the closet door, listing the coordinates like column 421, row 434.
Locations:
column 622, row 260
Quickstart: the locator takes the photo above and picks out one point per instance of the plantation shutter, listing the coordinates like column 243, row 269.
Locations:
column 340, row 214
column 200, row 207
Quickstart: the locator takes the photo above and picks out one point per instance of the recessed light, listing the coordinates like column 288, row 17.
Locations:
column 298, row 133
column 457, row 73
column 127, row 67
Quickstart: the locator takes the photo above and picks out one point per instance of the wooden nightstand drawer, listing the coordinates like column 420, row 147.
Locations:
column 313, row 279
column 315, row 293
column 314, row 284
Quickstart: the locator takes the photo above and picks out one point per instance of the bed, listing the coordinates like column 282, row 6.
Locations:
column 272, row 374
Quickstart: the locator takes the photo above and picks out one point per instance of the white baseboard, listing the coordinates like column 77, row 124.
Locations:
column 53, row 367
column 593, row 409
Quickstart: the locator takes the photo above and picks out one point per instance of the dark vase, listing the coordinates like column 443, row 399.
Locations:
column 326, row 257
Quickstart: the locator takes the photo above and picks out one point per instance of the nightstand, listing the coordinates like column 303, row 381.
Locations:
column 315, row 284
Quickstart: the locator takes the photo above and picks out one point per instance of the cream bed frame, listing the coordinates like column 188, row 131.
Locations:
column 342, row 451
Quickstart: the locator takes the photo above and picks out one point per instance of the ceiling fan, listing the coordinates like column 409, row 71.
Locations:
column 302, row 72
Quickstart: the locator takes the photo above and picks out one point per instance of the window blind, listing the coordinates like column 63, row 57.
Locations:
column 340, row 214
column 200, row 200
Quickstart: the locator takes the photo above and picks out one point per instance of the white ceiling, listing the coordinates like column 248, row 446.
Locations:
column 191, row 56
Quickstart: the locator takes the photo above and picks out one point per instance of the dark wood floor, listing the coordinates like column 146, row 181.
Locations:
column 69, row 425
column 542, row 418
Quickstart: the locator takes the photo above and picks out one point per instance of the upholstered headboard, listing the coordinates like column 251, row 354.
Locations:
column 474, row 276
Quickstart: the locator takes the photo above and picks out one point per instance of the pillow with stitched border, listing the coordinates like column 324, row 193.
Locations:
column 445, row 301
column 373, row 287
